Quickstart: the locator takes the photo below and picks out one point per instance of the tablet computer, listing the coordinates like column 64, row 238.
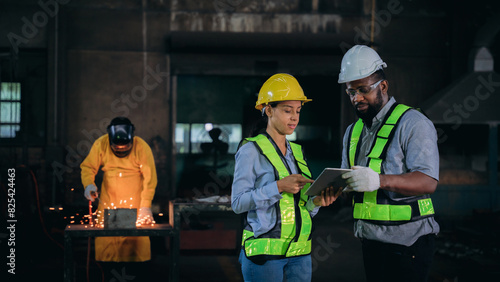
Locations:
column 329, row 177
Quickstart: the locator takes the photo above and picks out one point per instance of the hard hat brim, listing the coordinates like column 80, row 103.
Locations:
column 261, row 106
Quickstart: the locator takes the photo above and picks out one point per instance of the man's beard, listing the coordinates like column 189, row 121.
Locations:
column 372, row 110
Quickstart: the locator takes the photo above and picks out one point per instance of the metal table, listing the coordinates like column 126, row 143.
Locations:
column 80, row 231
column 181, row 210
column 178, row 210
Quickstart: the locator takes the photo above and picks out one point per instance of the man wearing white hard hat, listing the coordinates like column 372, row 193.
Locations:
column 392, row 149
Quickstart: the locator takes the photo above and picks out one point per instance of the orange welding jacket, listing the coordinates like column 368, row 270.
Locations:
column 128, row 182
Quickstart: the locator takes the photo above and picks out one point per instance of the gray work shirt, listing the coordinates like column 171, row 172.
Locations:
column 413, row 148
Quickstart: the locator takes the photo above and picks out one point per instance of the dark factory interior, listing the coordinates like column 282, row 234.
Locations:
column 179, row 69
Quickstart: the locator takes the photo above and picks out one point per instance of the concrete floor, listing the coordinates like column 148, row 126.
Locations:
column 336, row 255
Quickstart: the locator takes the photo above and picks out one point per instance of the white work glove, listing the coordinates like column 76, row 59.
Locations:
column 362, row 179
column 91, row 192
column 145, row 216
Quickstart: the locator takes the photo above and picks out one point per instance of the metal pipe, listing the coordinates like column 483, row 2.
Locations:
column 56, row 93
column 173, row 122
column 372, row 31
column 56, row 38
column 144, row 38
column 493, row 163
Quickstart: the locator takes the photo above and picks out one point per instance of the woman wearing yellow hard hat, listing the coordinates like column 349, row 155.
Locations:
column 270, row 180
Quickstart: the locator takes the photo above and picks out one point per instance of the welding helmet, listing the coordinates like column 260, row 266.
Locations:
column 359, row 62
column 121, row 136
column 280, row 87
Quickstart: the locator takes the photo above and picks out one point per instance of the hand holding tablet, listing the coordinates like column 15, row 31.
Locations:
column 330, row 177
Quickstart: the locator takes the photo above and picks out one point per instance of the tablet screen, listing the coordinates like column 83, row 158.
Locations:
column 329, row 177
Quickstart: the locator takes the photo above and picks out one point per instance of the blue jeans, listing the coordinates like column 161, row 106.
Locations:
column 292, row 269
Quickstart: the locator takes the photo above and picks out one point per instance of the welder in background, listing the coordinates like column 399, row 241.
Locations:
column 129, row 181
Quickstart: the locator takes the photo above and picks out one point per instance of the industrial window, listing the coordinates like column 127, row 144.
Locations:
column 190, row 137
column 10, row 109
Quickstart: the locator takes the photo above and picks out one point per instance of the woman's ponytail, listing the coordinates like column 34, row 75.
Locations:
column 260, row 125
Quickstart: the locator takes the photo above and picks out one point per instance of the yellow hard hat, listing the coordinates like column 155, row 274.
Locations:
column 280, row 87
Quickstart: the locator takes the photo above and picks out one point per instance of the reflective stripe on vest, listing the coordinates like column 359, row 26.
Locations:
column 289, row 244
column 377, row 206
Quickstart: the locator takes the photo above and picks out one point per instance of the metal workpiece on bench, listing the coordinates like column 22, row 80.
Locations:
column 120, row 218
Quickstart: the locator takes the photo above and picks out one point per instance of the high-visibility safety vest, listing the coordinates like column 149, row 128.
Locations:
column 377, row 206
column 292, row 234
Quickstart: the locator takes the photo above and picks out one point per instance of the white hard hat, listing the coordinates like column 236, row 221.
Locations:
column 359, row 62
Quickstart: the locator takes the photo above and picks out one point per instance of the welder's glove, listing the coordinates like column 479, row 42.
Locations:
column 362, row 179
column 145, row 216
column 91, row 192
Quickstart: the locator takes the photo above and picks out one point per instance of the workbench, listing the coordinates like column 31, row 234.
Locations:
column 82, row 231
column 178, row 211
column 184, row 211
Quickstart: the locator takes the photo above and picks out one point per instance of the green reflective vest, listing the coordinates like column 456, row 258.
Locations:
column 377, row 206
column 291, row 235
